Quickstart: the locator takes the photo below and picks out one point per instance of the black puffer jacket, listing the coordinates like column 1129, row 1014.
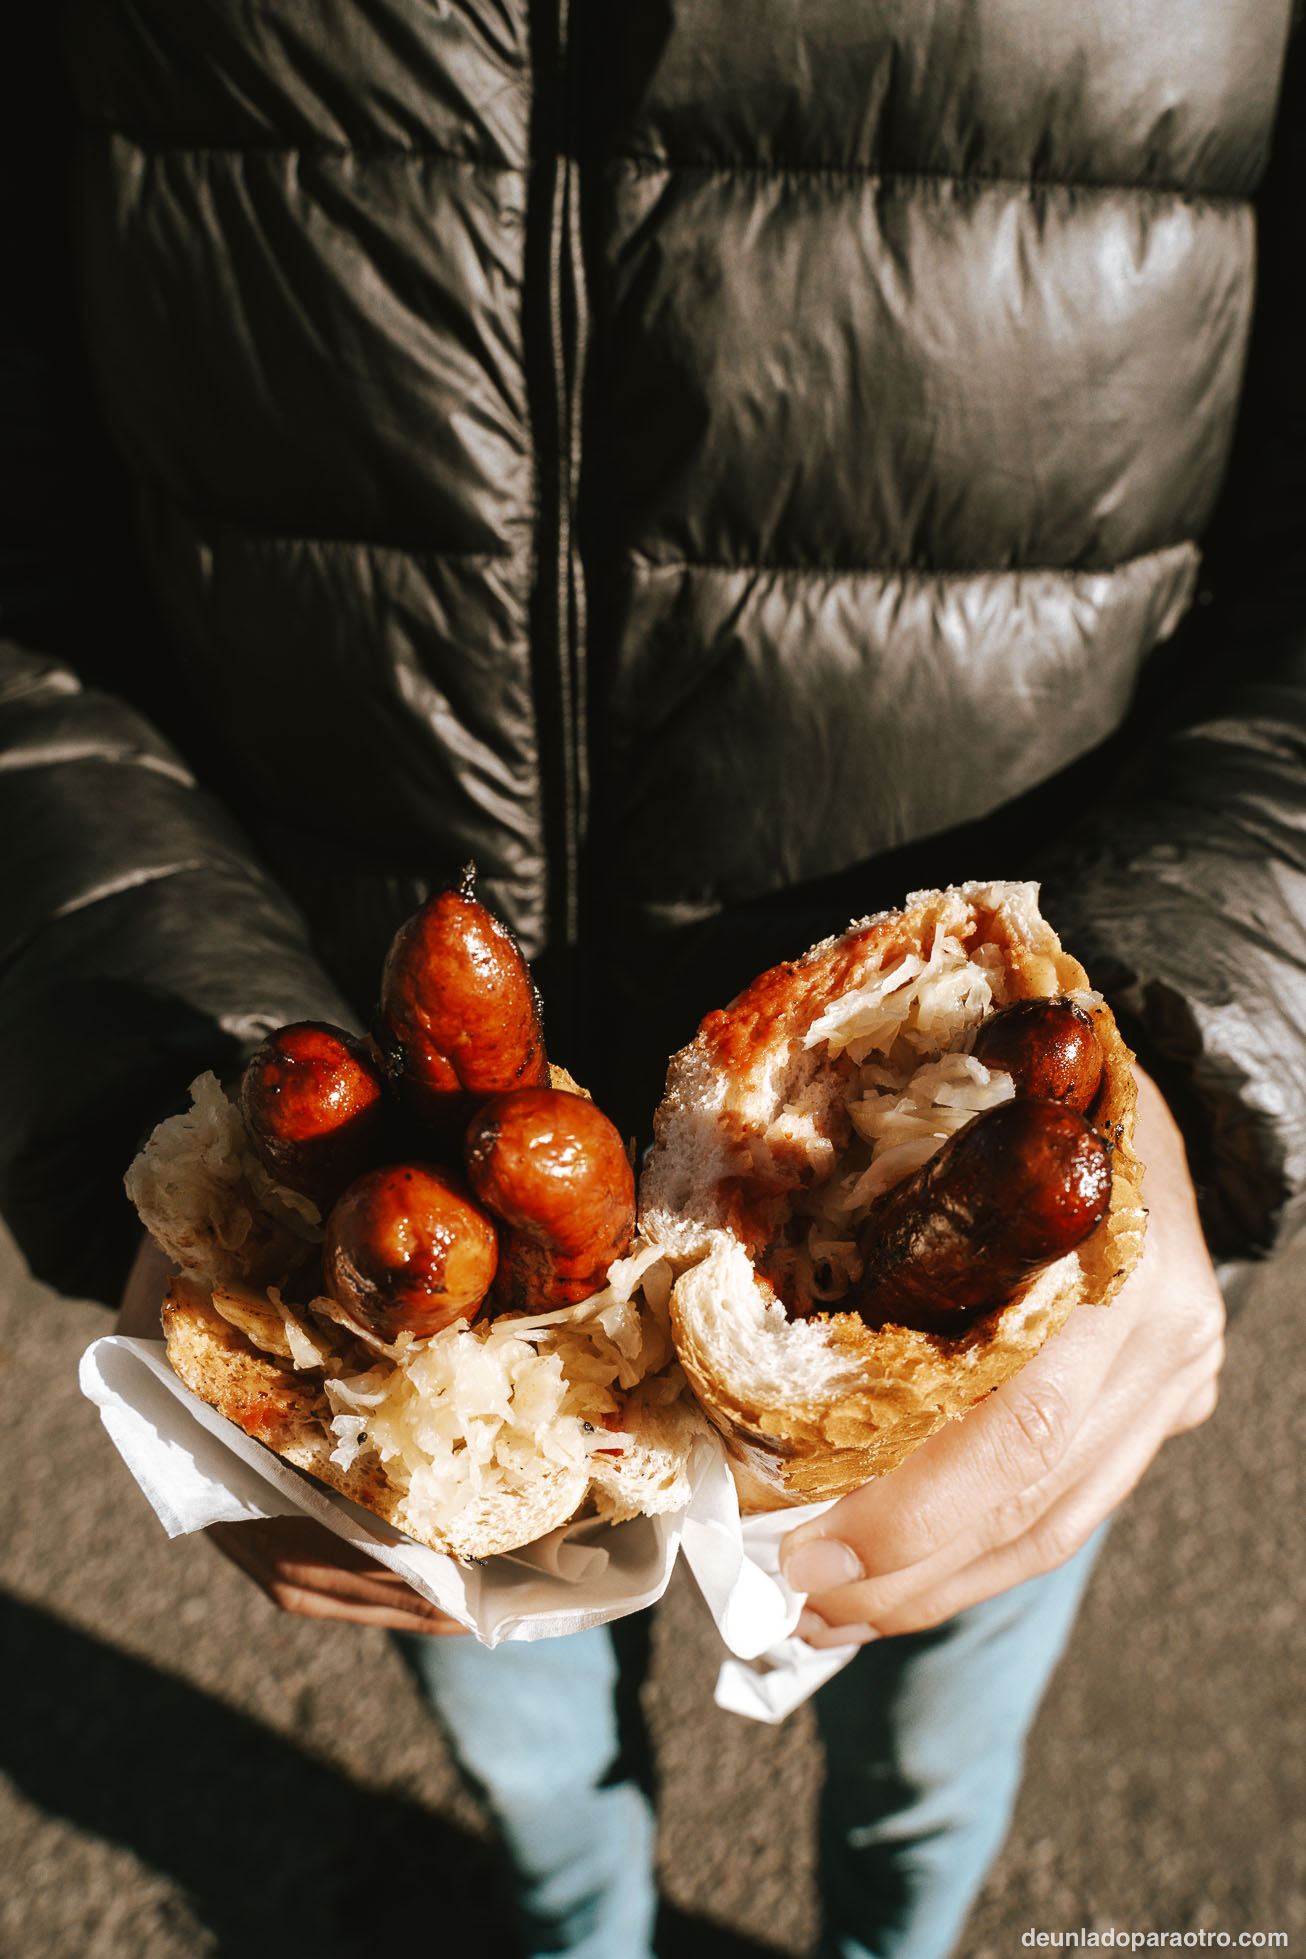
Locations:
column 686, row 467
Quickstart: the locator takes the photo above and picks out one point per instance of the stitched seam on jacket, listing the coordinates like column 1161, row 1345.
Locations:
column 53, row 754
column 293, row 540
column 134, row 880
column 220, row 532
column 312, row 148
column 922, row 574
column 921, row 179
column 11, row 957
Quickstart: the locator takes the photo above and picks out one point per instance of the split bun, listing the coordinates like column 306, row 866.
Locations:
column 791, row 1101
column 479, row 1439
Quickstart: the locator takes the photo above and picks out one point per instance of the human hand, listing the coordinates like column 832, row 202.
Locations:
column 304, row 1568
column 1021, row 1482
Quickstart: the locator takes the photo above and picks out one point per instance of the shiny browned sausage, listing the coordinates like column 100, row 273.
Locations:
column 1018, row 1187
column 554, row 1169
column 314, row 1104
column 1048, row 1047
column 459, row 1014
column 408, row 1251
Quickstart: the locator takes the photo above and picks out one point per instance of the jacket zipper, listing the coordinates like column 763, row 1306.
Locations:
column 567, row 312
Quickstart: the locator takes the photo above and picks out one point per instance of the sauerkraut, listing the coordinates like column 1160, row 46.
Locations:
column 208, row 1203
column 899, row 1044
column 476, row 1408
column 476, row 1411
column 473, row 1411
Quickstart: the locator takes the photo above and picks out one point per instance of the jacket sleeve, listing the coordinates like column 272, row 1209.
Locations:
column 139, row 944
column 1185, row 890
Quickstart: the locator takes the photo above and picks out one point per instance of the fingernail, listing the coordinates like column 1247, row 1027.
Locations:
column 859, row 1635
column 821, row 1564
column 815, row 1630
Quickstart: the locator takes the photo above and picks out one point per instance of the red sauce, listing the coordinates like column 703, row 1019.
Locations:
column 789, row 997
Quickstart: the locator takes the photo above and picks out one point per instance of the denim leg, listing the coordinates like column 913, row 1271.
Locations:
column 924, row 1736
column 533, row 1727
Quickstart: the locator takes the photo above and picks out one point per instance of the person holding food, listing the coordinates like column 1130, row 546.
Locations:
column 718, row 483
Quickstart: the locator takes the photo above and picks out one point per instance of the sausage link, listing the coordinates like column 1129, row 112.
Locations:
column 1017, row 1188
column 407, row 1251
column 1048, row 1047
column 459, row 1014
column 554, row 1169
column 313, row 1100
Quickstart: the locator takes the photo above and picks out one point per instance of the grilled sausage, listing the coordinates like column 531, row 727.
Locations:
column 1017, row 1188
column 1048, row 1047
column 407, row 1250
column 314, row 1104
column 554, row 1169
column 459, row 1014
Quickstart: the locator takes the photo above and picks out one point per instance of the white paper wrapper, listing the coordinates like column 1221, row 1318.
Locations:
column 736, row 1562
column 196, row 1469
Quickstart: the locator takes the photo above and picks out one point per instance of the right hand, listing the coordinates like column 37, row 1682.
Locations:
column 1017, row 1486
column 304, row 1568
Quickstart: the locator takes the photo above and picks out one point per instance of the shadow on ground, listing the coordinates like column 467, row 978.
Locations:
column 278, row 1852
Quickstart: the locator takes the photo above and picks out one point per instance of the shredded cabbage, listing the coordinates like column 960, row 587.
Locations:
column 208, row 1202
column 474, row 1409
column 469, row 1412
column 927, row 1004
column 902, row 1039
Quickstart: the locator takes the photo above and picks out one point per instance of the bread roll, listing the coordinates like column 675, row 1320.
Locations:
column 825, row 1081
column 477, row 1440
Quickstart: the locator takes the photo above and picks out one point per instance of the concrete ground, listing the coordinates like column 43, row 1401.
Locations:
column 187, row 1773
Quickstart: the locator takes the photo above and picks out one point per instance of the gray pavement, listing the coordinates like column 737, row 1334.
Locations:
column 186, row 1772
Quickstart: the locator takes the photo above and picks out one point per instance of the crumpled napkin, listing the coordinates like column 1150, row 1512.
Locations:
column 195, row 1469
column 736, row 1562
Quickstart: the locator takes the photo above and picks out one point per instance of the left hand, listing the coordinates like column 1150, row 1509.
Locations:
column 1022, row 1481
column 306, row 1569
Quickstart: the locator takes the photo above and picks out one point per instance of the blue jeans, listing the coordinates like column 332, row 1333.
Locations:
column 923, row 1735
column 924, row 1740
column 536, row 1729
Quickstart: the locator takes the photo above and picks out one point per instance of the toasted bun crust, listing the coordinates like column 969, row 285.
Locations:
column 289, row 1413
column 813, row 1408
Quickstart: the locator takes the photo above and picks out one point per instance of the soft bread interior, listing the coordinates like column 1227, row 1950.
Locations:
column 755, row 1128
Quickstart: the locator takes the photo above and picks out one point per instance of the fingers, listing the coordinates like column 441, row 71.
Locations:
column 1034, row 1528
column 308, row 1604
column 305, row 1569
column 963, row 1481
column 1198, row 1408
column 1015, row 1488
column 927, row 1594
column 814, row 1631
column 1198, row 1374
